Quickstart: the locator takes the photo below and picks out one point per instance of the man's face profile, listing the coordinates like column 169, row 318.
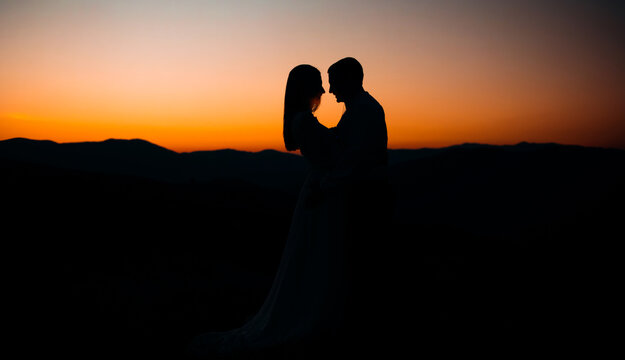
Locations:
column 335, row 88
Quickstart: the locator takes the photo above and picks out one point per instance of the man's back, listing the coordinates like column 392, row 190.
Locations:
column 363, row 137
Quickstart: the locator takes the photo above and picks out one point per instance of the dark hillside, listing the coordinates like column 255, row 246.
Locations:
column 126, row 247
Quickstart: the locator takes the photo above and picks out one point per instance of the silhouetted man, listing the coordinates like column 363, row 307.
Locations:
column 361, row 173
column 362, row 129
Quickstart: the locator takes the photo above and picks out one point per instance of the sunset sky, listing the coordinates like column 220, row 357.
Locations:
column 203, row 75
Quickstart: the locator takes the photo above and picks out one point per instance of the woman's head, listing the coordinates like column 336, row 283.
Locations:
column 303, row 93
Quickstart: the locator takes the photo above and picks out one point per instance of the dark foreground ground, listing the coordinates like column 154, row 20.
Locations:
column 512, row 248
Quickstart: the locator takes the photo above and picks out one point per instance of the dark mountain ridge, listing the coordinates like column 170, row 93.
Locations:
column 144, row 159
column 463, row 184
column 141, row 158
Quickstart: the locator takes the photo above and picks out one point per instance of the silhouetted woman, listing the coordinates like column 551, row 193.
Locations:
column 305, row 301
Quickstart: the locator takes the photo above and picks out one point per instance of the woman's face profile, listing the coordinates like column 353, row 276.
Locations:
column 316, row 101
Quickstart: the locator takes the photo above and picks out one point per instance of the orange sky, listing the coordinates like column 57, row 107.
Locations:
column 194, row 75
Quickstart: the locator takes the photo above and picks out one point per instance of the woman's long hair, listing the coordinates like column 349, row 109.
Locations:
column 303, row 85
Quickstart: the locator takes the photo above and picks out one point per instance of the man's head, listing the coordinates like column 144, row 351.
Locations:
column 345, row 78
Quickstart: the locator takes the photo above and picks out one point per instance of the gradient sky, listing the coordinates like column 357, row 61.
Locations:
column 202, row 75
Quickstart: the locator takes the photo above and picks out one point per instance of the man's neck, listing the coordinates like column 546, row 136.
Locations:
column 352, row 98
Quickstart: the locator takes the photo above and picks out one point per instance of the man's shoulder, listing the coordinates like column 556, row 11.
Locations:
column 371, row 105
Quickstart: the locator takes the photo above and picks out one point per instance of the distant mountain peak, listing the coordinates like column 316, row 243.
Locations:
column 22, row 140
column 469, row 145
column 135, row 144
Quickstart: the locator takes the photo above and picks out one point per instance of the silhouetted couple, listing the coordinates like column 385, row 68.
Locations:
column 330, row 292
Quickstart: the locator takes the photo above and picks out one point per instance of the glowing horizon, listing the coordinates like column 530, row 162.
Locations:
column 198, row 75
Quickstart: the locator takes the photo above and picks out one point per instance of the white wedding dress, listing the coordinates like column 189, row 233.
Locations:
column 307, row 295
